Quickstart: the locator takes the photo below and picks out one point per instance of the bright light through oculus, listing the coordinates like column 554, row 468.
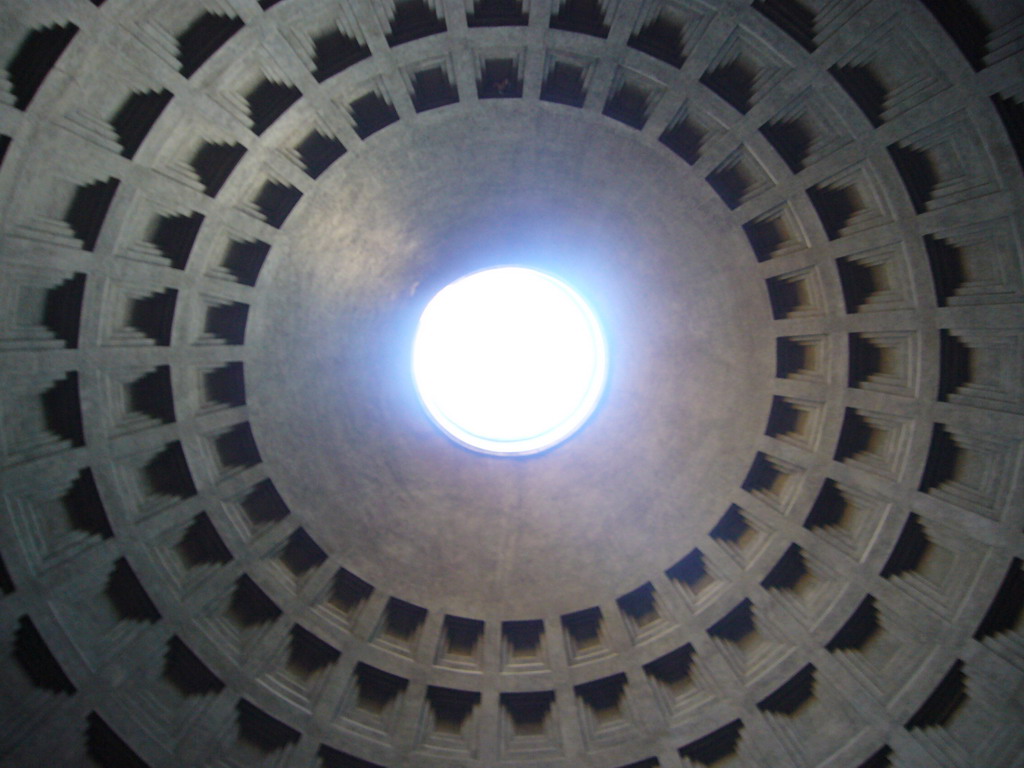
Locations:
column 509, row 360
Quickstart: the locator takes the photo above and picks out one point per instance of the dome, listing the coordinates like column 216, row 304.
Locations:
column 789, row 534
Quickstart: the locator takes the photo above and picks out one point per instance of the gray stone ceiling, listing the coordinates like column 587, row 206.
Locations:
column 791, row 535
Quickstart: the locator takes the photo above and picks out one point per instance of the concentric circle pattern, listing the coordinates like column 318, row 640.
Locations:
column 790, row 536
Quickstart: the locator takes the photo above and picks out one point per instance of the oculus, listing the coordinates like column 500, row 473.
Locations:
column 509, row 360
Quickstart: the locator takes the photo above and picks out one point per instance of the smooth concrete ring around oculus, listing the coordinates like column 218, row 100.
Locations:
column 332, row 400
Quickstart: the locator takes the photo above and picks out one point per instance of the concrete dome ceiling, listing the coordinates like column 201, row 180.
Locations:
column 791, row 535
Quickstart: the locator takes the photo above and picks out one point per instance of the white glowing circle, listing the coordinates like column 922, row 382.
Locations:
column 509, row 360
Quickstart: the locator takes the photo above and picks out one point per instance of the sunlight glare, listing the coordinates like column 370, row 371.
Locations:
column 509, row 360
